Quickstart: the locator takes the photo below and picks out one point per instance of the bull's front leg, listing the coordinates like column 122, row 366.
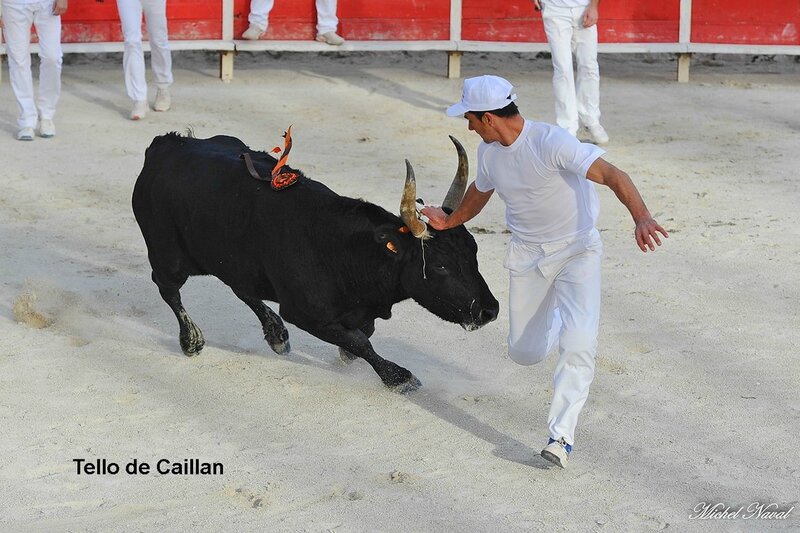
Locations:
column 275, row 332
column 356, row 342
column 368, row 329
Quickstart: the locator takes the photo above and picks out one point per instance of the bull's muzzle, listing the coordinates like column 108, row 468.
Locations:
column 481, row 317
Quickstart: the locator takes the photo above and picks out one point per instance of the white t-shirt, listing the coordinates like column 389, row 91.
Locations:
column 566, row 3
column 541, row 178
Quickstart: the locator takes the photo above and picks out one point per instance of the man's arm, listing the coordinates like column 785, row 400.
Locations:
column 474, row 200
column 647, row 229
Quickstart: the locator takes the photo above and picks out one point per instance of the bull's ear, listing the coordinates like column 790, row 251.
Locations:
column 388, row 237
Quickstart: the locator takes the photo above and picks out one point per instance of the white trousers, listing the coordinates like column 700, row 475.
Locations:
column 18, row 19
column 130, row 15
column 554, row 300
column 577, row 97
column 326, row 14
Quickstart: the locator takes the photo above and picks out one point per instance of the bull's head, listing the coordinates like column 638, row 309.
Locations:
column 441, row 271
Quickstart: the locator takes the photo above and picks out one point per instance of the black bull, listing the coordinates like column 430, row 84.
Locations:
column 333, row 264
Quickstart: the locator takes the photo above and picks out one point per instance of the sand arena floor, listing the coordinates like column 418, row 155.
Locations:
column 695, row 398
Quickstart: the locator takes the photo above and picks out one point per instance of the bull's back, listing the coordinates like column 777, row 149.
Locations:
column 195, row 201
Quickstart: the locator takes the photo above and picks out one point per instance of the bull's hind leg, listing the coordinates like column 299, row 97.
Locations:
column 275, row 332
column 171, row 269
column 191, row 338
column 367, row 329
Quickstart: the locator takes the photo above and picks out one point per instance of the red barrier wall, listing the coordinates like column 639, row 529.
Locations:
column 359, row 20
column 746, row 21
column 621, row 21
column 767, row 22
column 88, row 21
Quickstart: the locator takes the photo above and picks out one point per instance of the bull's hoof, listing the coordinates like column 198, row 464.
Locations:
column 278, row 339
column 399, row 379
column 410, row 385
column 281, row 348
column 192, row 347
column 346, row 356
column 192, row 341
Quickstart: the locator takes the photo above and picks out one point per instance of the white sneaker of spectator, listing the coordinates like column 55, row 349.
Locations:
column 163, row 100
column 46, row 128
column 253, row 33
column 139, row 110
column 598, row 133
column 331, row 38
column 25, row 134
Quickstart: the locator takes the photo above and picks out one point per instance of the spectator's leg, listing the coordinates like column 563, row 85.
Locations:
column 588, row 75
column 17, row 19
column 326, row 16
column 130, row 15
column 559, row 29
column 259, row 13
column 48, row 28
column 155, row 12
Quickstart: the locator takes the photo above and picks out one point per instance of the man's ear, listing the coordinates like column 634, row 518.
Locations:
column 388, row 236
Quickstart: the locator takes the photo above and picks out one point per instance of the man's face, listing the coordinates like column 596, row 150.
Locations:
column 481, row 126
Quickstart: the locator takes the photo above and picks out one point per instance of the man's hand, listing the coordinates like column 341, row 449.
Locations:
column 436, row 217
column 537, row 5
column 60, row 7
column 646, row 232
column 1, row 22
column 590, row 16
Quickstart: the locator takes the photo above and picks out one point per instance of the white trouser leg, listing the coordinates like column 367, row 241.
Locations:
column 533, row 321
column 259, row 13
column 155, row 13
column 533, row 317
column 554, row 295
column 577, row 289
column 130, row 15
column 559, row 29
column 587, row 82
column 17, row 20
column 326, row 16
column 48, row 28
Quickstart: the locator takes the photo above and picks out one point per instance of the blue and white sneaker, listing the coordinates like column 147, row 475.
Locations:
column 557, row 452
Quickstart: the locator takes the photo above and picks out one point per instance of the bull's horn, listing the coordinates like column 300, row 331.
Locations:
column 459, row 185
column 408, row 210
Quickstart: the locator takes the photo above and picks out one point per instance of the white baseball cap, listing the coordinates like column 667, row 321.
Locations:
column 483, row 93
